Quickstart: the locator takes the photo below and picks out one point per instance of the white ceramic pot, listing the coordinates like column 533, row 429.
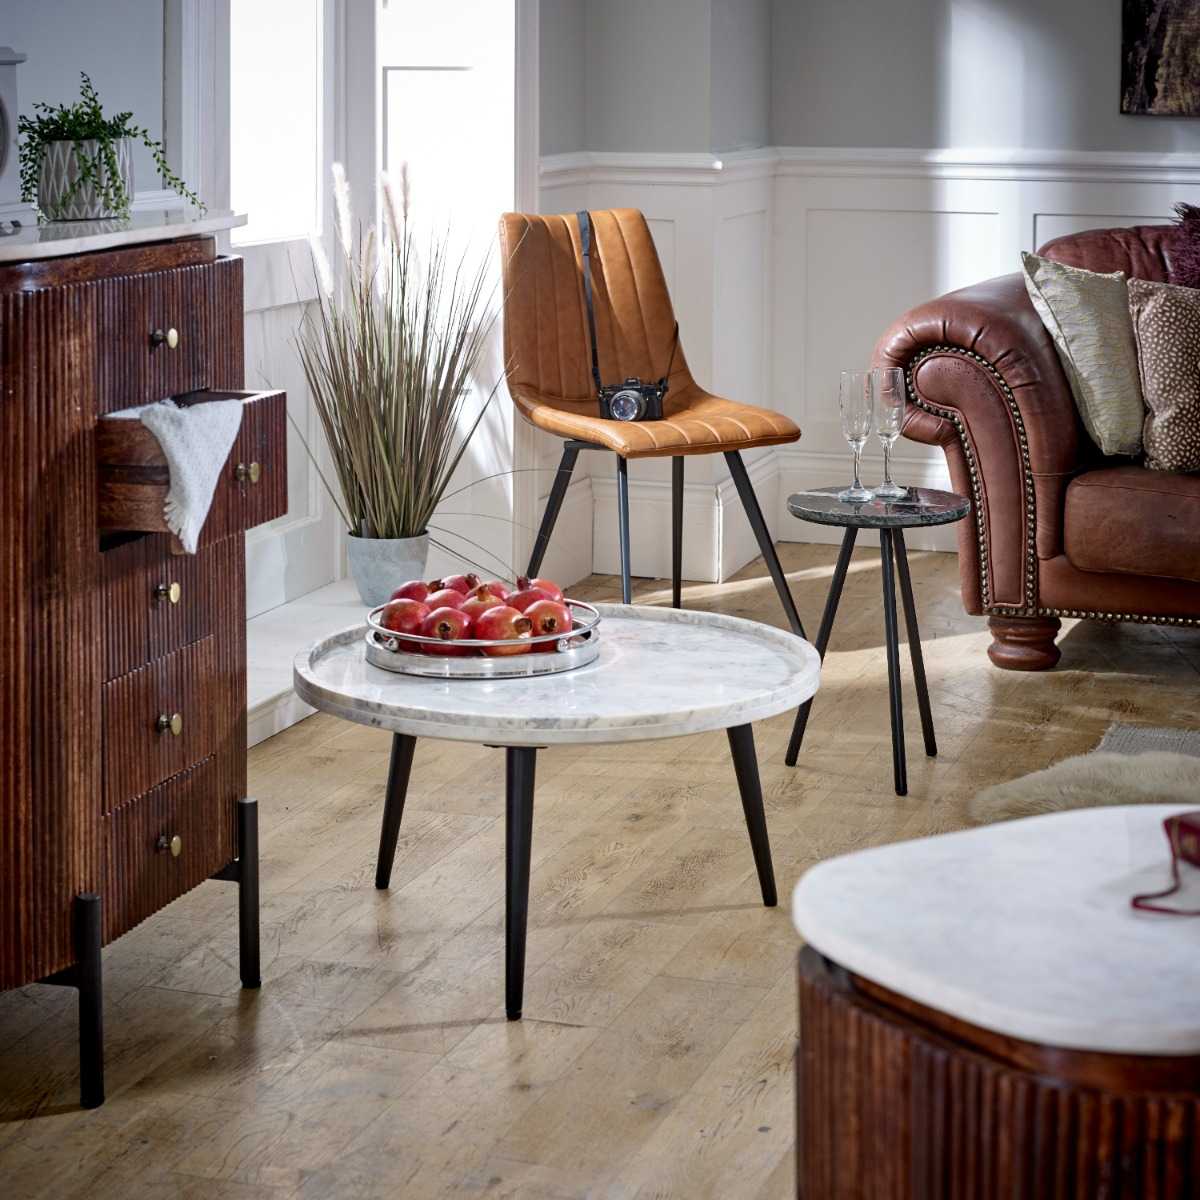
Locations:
column 380, row 565
column 60, row 171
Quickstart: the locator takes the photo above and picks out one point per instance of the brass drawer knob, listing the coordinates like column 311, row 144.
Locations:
column 248, row 471
column 169, row 591
column 174, row 844
column 172, row 724
column 167, row 337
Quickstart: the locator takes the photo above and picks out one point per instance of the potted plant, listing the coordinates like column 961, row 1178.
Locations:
column 77, row 164
column 389, row 351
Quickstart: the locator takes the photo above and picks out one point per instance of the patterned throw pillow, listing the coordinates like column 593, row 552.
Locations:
column 1087, row 316
column 1166, row 319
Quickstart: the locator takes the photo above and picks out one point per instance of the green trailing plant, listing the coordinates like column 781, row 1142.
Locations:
column 81, row 123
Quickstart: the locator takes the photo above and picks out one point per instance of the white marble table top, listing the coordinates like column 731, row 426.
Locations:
column 1023, row 928
column 55, row 238
column 661, row 673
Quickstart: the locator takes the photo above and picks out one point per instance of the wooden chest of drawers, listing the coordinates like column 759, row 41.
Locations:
column 123, row 703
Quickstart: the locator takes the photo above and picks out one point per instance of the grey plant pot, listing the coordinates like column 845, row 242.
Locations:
column 379, row 566
column 59, row 171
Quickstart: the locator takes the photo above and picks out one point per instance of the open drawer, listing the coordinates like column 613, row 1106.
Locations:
column 132, row 475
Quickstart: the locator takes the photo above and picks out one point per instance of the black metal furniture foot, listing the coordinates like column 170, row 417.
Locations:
column 244, row 872
column 914, row 644
column 745, row 766
column 558, row 491
column 677, row 531
column 892, row 636
column 519, row 766
column 623, row 526
column 399, row 770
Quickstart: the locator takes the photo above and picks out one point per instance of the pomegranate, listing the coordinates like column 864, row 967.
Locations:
column 479, row 602
column 546, row 585
column 404, row 616
column 549, row 616
column 445, row 598
column 414, row 589
column 504, row 624
column 494, row 588
column 459, row 583
column 523, row 599
column 447, row 624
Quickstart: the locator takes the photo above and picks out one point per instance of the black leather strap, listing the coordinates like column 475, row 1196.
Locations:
column 585, row 239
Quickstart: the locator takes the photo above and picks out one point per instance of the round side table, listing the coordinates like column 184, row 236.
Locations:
column 661, row 673
column 921, row 507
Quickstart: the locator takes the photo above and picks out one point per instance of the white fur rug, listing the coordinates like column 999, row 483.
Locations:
column 1091, row 780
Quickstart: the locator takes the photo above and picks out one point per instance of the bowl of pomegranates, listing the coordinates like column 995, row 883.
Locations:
column 467, row 628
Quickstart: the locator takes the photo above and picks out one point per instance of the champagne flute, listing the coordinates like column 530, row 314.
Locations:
column 854, row 399
column 888, row 386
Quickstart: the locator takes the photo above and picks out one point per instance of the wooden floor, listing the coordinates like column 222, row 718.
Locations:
column 655, row 1057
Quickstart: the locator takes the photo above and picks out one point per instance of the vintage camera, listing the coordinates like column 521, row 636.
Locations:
column 632, row 400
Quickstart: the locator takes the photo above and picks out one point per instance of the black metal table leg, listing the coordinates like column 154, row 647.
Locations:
column 249, row 950
column 745, row 766
column 623, row 526
column 893, row 660
column 399, row 769
column 831, row 606
column 677, row 531
column 89, row 979
column 914, row 644
column 766, row 547
column 519, row 765
column 558, row 491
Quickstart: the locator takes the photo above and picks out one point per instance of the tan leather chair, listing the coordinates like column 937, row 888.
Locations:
column 548, row 357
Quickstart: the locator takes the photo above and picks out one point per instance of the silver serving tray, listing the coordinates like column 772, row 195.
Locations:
column 579, row 648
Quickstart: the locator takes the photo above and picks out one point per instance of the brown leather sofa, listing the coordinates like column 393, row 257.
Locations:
column 1058, row 530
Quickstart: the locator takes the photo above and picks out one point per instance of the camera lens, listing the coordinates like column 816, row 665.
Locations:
column 626, row 405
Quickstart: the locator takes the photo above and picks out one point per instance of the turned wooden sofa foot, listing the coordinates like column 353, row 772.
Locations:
column 1024, row 643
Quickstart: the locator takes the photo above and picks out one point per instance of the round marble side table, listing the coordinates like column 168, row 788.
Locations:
column 661, row 673
column 921, row 507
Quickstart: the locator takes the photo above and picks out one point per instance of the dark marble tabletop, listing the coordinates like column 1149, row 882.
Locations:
column 922, row 506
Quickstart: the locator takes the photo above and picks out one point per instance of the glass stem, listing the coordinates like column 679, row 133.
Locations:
column 887, row 463
column 857, row 461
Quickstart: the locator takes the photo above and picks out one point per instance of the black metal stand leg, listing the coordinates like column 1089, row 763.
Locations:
column 741, row 481
column 831, row 605
column 623, row 526
column 399, row 769
column 554, row 504
column 677, row 531
column 249, row 952
column 893, row 661
column 89, row 981
column 745, row 766
column 519, row 765
column 914, row 644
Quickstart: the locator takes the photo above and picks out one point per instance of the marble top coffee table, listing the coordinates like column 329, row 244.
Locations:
column 661, row 673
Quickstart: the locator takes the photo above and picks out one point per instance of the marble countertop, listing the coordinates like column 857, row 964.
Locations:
column 53, row 239
column 1023, row 928
column 661, row 673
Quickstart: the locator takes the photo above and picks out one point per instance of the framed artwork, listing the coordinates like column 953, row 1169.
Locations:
column 1160, row 57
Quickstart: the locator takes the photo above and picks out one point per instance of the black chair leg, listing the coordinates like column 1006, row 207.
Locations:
column 893, row 661
column 745, row 766
column 623, row 526
column 558, row 491
column 745, row 489
column 399, row 769
column 520, row 762
column 88, row 978
column 831, row 606
column 677, row 531
column 249, row 949
column 914, row 644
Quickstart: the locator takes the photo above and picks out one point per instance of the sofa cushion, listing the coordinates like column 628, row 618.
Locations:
column 1134, row 521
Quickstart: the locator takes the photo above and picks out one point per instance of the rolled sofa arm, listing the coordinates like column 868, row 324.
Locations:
column 985, row 384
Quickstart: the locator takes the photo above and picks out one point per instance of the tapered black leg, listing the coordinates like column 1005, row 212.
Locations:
column 914, row 644
column 831, row 606
column 518, row 788
column 249, row 952
column 623, row 526
column 88, row 978
column 554, row 504
column 745, row 766
column 893, row 661
column 745, row 489
column 677, row 531
column 399, row 769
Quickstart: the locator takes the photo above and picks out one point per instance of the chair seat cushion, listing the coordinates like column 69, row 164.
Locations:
column 1133, row 521
column 695, row 422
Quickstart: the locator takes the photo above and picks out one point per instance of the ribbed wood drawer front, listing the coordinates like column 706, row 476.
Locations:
column 253, row 488
column 153, row 602
column 141, row 747
column 141, row 873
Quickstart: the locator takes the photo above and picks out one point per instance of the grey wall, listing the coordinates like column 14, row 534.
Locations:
column 741, row 74
column 562, row 83
column 1041, row 74
column 119, row 45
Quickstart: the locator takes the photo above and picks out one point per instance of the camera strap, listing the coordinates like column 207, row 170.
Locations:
column 585, row 241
